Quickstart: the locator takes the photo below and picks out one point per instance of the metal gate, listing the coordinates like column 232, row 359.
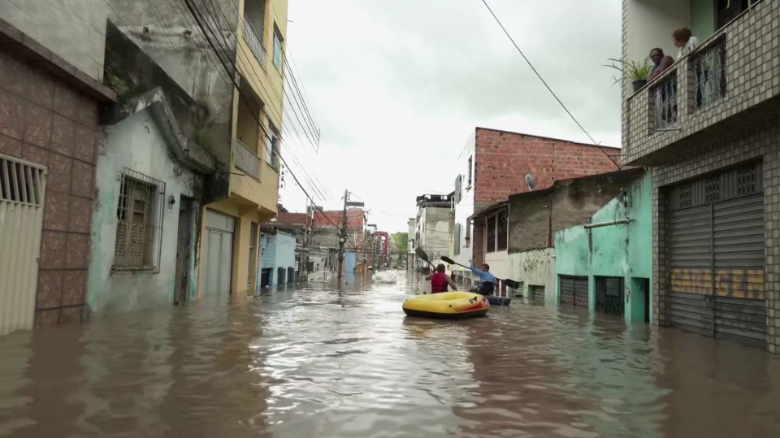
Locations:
column 574, row 290
column 715, row 247
column 22, row 189
column 536, row 292
column 219, row 252
column 610, row 295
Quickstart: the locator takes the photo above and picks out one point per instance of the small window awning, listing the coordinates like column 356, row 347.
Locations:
column 489, row 210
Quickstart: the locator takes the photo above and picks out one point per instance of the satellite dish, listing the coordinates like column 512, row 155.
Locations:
column 530, row 181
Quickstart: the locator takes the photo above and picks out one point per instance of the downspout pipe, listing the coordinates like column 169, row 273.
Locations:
column 607, row 224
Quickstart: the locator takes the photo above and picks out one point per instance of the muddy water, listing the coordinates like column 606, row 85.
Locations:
column 327, row 361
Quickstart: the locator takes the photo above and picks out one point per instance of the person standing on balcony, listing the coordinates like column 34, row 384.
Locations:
column 684, row 41
column 660, row 63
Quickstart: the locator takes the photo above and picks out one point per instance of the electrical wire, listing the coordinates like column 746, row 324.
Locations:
column 547, row 86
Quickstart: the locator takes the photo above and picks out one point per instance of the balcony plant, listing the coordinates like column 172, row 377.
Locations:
column 633, row 71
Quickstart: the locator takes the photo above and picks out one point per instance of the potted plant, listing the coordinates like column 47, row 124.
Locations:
column 633, row 71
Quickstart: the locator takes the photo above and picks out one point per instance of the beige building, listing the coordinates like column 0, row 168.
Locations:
column 709, row 128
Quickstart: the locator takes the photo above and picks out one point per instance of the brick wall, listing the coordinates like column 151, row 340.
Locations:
column 503, row 159
column 761, row 141
column 45, row 121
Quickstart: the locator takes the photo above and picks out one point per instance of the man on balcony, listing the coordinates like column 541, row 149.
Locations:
column 660, row 62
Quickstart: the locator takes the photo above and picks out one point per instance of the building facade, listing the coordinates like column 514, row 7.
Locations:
column 432, row 234
column 51, row 91
column 276, row 266
column 497, row 164
column 709, row 128
column 609, row 257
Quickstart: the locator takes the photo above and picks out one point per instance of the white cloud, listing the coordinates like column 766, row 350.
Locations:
column 398, row 87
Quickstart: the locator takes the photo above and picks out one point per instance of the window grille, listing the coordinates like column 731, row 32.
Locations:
column 709, row 68
column 21, row 183
column 139, row 223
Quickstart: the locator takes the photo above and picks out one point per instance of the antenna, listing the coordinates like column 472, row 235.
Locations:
column 530, row 181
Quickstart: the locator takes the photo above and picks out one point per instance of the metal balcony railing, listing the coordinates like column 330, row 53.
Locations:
column 246, row 159
column 665, row 102
column 254, row 42
column 709, row 72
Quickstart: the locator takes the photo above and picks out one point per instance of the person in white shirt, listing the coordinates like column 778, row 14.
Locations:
column 684, row 41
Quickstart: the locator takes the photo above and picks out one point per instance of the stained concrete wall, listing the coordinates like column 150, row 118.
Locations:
column 535, row 267
column 277, row 250
column 612, row 251
column 435, row 231
column 136, row 143
column 73, row 29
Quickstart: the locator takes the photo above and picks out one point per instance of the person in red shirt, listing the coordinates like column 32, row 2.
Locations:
column 440, row 281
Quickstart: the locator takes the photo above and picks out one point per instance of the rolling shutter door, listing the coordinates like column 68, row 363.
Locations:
column 567, row 290
column 715, row 248
column 574, row 290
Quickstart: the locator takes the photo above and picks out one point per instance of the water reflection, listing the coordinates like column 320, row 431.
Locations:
column 343, row 361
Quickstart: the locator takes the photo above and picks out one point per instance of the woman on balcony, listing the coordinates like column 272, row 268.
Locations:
column 684, row 41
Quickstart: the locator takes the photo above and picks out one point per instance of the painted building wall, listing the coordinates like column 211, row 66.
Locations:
column 435, row 231
column 137, row 144
column 612, row 251
column 465, row 207
column 73, row 29
column 534, row 268
column 277, row 250
column 350, row 261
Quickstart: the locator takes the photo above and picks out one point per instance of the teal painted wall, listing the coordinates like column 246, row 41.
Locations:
column 612, row 251
column 702, row 18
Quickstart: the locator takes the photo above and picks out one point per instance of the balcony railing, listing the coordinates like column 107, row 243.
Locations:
column 665, row 102
column 246, row 160
column 709, row 72
column 254, row 42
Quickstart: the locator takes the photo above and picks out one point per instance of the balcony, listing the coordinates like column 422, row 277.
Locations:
column 730, row 82
column 246, row 159
column 254, row 42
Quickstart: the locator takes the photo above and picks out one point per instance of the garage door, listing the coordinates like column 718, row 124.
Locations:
column 574, row 290
column 219, row 252
column 715, row 247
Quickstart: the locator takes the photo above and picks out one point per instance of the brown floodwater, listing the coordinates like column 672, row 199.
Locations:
column 330, row 361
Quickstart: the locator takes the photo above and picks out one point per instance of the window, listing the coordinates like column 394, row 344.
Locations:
column 139, row 222
column 468, row 185
column 491, row 234
column 277, row 55
column 458, row 188
column 456, row 247
column 468, row 234
column 501, row 235
column 272, row 146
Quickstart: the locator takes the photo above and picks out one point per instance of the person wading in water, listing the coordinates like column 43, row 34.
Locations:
column 440, row 281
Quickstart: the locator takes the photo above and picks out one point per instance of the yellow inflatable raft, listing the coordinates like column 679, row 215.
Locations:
column 451, row 305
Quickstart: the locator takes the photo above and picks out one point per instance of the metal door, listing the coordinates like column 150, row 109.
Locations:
column 290, row 275
column 715, row 247
column 22, row 190
column 536, row 292
column 567, row 290
column 610, row 296
column 280, row 276
column 581, row 291
column 183, row 251
column 219, row 252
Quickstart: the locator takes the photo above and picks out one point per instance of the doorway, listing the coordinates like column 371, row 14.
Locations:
column 183, row 250
column 265, row 277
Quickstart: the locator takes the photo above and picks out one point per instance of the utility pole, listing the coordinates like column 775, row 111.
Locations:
column 343, row 234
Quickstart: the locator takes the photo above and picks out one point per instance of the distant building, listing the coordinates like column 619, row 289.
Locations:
column 432, row 233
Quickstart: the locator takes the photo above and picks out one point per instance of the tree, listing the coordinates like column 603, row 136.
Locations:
column 401, row 242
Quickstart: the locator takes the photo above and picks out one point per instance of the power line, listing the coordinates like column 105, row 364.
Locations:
column 547, row 86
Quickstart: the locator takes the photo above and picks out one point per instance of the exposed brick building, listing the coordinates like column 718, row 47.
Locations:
column 494, row 165
column 709, row 128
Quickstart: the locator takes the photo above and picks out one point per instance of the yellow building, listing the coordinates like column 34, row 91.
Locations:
column 229, row 245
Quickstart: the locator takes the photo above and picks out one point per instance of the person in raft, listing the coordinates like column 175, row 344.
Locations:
column 440, row 281
column 487, row 282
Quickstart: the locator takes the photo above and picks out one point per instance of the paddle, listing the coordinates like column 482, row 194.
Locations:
column 421, row 254
column 511, row 283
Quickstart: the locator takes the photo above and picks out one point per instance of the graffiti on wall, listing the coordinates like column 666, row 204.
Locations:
column 732, row 283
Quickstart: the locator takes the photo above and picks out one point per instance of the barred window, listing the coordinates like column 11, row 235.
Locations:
column 139, row 223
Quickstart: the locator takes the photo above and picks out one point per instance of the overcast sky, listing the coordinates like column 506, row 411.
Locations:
column 398, row 86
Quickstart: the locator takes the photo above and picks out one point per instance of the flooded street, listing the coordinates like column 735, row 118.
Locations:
column 328, row 361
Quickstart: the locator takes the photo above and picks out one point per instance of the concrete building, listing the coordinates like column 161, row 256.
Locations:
column 709, row 128
column 433, row 227
column 496, row 164
column 51, row 90
column 242, row 131
column 533, row 217
column 608, row 259
column 150, row 179
column 276, row 266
